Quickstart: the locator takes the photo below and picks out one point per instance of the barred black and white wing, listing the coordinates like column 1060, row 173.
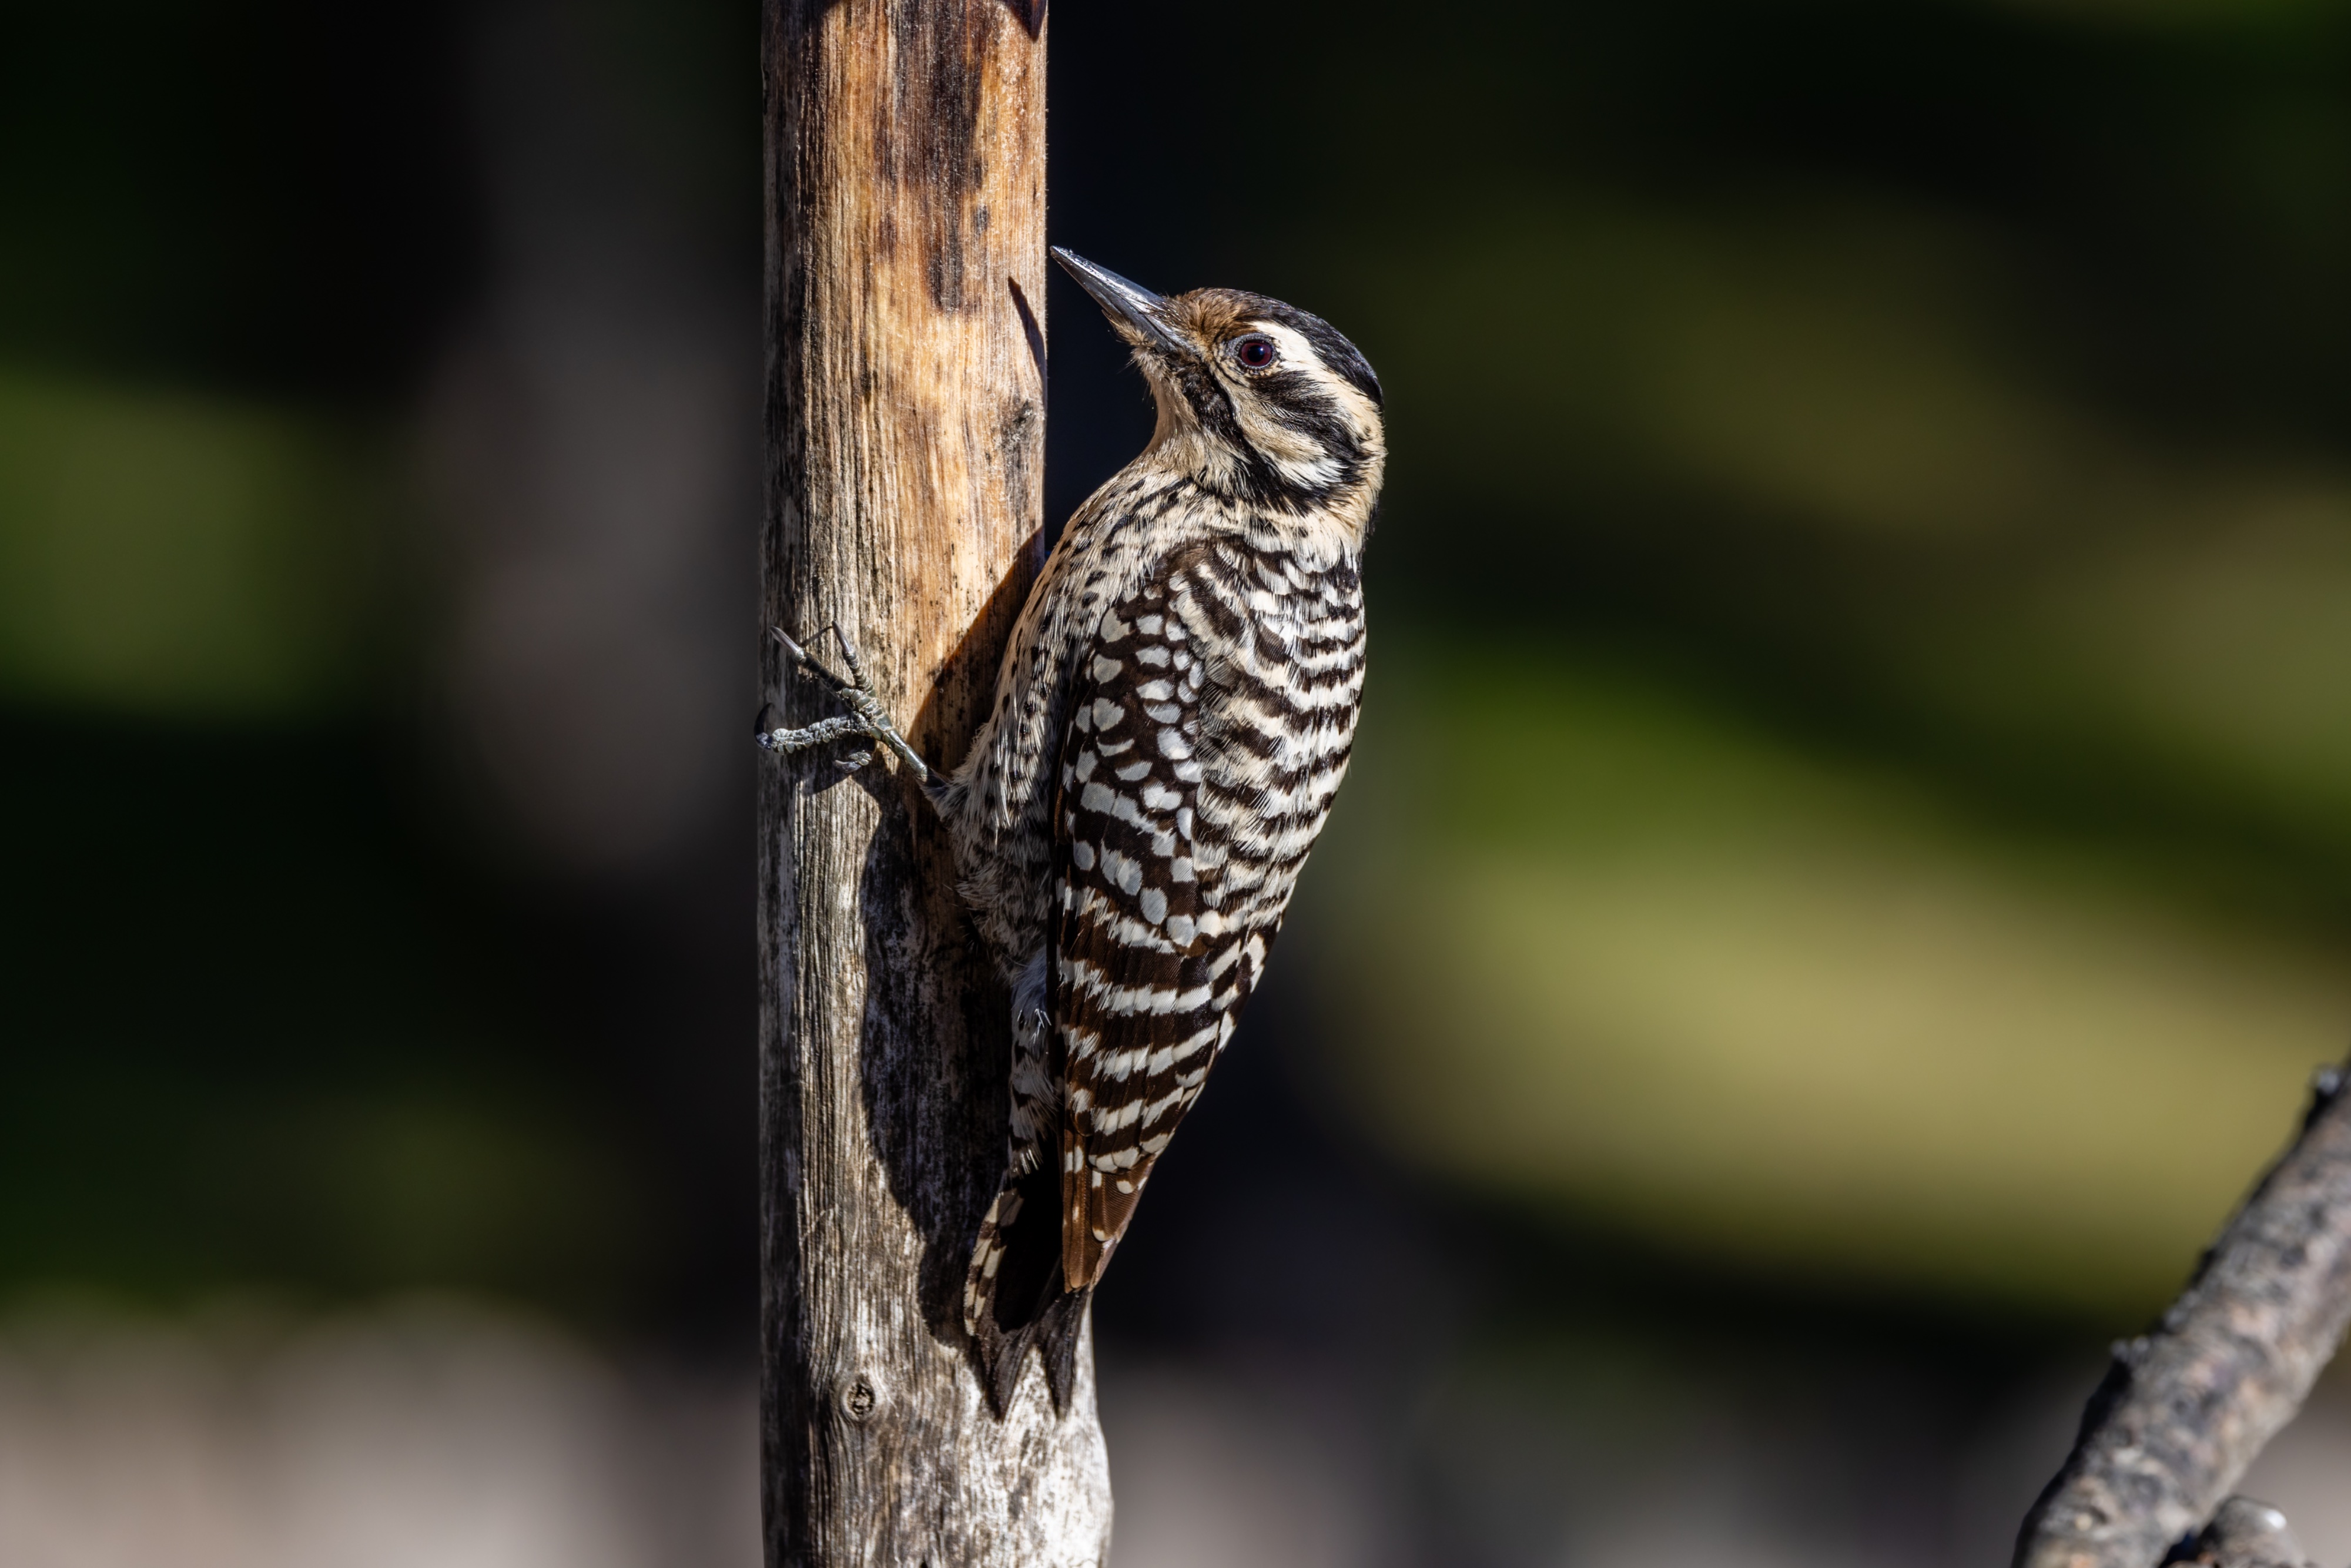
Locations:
column 1210, row 721
column 1131, row 998
column 1212, row 727
column 1123, row 966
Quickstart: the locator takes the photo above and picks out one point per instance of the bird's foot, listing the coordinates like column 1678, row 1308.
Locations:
column 866, row 715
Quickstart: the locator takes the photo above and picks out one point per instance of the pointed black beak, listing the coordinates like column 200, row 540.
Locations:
column 1130, row 304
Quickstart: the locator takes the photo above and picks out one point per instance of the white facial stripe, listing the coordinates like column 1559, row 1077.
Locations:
column 1297, row 353
column 1362, row 415
column 1180, row 442
column 1297, row 456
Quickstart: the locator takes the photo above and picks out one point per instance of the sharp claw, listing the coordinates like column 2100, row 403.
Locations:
column 856, row 672
column 799, row 652
column 856, row 694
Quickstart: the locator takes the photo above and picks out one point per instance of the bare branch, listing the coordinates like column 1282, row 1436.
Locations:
column 2184, row 1410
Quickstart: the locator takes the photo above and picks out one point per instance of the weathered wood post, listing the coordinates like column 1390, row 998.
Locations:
column 906, row 404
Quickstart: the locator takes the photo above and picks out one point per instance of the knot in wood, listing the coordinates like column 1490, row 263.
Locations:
column 858, row 1399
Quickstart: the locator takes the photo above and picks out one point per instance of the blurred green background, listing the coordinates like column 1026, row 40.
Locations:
column 1856, row 781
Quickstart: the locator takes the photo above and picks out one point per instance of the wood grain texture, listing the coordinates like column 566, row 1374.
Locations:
column 2184, row 1410
column 905, row 414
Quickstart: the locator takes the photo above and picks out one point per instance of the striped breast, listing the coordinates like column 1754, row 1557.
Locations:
column 1211, row 718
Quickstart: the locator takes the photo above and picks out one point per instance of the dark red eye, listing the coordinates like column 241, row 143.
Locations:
column 1256, row 354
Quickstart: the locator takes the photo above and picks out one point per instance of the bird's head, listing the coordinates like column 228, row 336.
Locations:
column 1259, row 401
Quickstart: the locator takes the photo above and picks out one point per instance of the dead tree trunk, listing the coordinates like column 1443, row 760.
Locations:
column 906, row 264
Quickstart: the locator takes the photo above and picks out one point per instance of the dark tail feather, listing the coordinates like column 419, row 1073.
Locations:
column 1057, row 1344
column 1013, row 1296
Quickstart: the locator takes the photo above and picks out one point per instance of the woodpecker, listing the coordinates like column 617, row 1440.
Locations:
column 1172, row 718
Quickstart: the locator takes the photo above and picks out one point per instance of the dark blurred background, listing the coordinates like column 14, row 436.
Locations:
column 1845, row 880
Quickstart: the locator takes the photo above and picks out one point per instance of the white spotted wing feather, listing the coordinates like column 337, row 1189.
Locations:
column 1211, row 727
